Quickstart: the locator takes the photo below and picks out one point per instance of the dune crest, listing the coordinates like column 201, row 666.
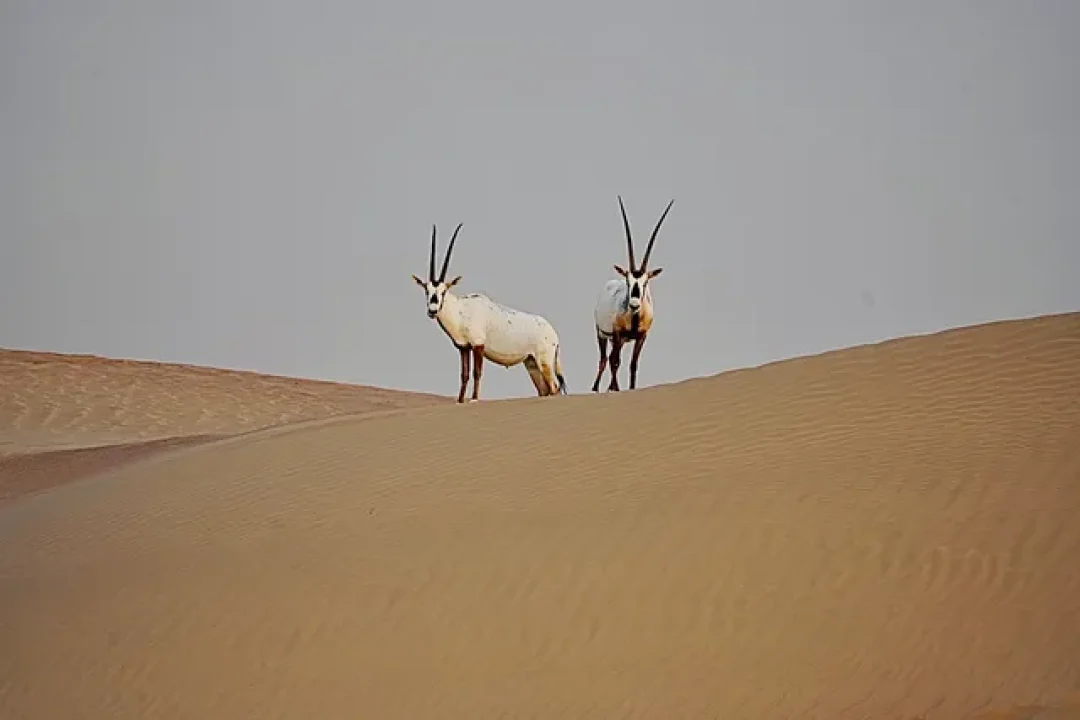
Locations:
column 888, row 531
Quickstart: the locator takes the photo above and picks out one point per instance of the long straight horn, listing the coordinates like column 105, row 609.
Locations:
column 648, row 249
column 431, row 258
column 449, row 249
column 629, row 239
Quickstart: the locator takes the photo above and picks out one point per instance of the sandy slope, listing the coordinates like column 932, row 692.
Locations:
column 50, row 401
column 65, row 416
column 889, row 532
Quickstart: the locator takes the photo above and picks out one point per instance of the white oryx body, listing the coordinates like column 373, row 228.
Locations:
column 508, row 337
column 612, row 309
column 484, row 329
column 624, row 310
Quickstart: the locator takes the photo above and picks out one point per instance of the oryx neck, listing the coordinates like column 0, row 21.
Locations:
column 449, row 316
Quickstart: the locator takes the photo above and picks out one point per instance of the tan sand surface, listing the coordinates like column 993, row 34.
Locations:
column 50, row 401
column 63, row 417
column 26, row 473
column 890, row 531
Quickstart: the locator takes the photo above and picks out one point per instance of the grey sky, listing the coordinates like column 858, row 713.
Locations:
column 249, row 183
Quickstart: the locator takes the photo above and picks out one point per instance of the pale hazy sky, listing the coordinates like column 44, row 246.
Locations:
column 250, row 183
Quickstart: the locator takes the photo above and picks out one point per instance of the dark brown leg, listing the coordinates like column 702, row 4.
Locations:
column 616, row 349
column 634, row 360
column 477, row 370
column 464, row 373
column 601, row 341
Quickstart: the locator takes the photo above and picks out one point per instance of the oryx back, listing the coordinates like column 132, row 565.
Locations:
column 507, row 335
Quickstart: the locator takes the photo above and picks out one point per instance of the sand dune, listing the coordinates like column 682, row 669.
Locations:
column 889, row 531
column 65, row 416
column 51, row 400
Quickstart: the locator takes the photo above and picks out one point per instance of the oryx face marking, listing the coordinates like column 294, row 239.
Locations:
column 436, row 293
column 637, row 284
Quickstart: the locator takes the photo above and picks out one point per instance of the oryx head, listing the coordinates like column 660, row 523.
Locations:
column 637, row 278
column 436, row 286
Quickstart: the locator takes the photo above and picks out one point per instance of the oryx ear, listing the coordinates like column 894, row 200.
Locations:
column 419, row 282
column 654, row 273
column 453, row 282
column 620, row 271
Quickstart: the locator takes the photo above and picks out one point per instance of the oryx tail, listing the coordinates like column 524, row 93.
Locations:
column 559, row 372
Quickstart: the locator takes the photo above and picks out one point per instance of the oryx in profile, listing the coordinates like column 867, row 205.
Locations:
column 480, row 327
column 624, row 309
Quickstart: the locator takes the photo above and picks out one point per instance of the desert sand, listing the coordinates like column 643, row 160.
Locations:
column 64, row 416
column 889, row 531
